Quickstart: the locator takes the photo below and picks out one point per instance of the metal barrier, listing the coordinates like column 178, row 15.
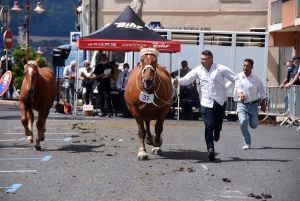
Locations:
column 283, row 102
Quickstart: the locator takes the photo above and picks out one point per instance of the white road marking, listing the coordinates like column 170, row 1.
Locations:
column 45, row 133
column 16, row 171
column 204, row 166
column 240, row 197
column 173, row 144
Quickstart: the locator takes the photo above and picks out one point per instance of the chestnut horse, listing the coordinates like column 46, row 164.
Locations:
column 149, row 96
column 38, row 92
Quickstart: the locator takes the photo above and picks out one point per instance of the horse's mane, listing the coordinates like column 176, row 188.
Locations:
column 149, row 51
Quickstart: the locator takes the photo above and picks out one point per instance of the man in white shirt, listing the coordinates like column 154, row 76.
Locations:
column 254, row 90
column 69, row 75
column 212, row 94
column 121, row 85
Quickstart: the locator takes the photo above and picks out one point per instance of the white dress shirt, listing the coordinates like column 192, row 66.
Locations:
column 212, row 83
column 253, row 87
column 122, row 79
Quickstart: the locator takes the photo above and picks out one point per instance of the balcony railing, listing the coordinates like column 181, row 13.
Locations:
column 276, row 11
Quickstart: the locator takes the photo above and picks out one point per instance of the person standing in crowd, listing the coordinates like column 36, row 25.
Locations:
column 254, row 90
column 69, row 76
column 113, row 86
column 212, row 95
column 121, row 85
column 4, row 68
column 87, row 82
column 295, row 72
column 103, row 73
column 191, row 100
column 289, row 67
column 183, row 71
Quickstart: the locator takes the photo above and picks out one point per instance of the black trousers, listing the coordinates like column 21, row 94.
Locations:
column 104, row 97
column 125, row 110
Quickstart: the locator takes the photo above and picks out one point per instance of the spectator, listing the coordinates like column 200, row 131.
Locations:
column 295, row 74
column 69, row 76
column 103, row 73
column 114, row 80
column 87, row 82
column 191, row 100
column 183, row 71
column 4, row 68
column 121, row 84
column 289, row 67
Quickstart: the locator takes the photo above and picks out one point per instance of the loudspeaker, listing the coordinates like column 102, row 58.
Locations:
column 57, row 59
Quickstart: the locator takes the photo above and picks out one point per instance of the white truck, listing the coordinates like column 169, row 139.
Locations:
column 229, row 49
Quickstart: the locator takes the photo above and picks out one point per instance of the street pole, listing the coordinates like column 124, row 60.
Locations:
column 27, row 30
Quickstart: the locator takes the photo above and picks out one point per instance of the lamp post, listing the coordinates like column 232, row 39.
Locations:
column 40, row 49
column 39, row 9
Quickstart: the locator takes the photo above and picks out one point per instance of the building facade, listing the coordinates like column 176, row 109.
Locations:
column 284, row 29
column 214, row 15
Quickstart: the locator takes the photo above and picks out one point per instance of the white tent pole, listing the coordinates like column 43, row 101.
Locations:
column 178, row 95
column 76, row 81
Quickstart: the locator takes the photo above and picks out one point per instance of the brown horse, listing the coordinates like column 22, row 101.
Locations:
column 149, row 96
column 37, row 93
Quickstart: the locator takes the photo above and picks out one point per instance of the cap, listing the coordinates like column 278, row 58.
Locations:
column 86, row 61
column 296, row 57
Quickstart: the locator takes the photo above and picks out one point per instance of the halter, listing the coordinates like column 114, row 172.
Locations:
column 153, row 51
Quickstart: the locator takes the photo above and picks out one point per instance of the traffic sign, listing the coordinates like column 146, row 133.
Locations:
column 8, row 39
column 4, row 82
column 74, row 37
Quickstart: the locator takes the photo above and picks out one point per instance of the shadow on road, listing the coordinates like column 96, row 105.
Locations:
column 76, row 148
column 201, row 157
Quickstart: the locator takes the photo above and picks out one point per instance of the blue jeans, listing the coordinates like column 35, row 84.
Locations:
column 213, row 120
column 286, row 102
column 248, row 114
column 70, row 98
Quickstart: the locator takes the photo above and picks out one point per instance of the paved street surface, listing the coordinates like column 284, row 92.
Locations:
column 94, row 158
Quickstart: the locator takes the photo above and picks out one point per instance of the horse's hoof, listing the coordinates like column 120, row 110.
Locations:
column 143, row 158
column 30, row 141
column 42, row 138
column 37, row 149
column 157, row 145
column 156, row 151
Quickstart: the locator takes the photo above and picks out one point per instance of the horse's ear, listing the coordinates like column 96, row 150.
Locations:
column 141, row 46
column 156, row 47
column 38, row 61
column 24, row 61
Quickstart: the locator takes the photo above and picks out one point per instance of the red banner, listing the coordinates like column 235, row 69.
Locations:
column 126, row 45
column 4, row 82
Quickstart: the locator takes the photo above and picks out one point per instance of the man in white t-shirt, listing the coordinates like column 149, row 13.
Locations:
column 69, row 76
column 87, row 82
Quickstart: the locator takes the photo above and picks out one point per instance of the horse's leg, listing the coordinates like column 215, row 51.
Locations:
column 39, row 126
column 142, row 155
column 24, row 119
column 30, row 125
column 44, row 126
column 149, row 136
column 157, row 140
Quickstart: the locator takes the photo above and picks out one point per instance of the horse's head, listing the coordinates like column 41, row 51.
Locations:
column 148, row 65
column 31, row 73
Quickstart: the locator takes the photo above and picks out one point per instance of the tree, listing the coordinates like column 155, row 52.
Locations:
column 18, row 68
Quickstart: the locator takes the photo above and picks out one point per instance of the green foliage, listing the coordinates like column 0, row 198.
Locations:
column 18, row 69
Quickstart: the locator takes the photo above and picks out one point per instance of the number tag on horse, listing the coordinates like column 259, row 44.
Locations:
column 147, row 98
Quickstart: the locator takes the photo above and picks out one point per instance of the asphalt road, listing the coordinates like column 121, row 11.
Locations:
column 95, row 158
